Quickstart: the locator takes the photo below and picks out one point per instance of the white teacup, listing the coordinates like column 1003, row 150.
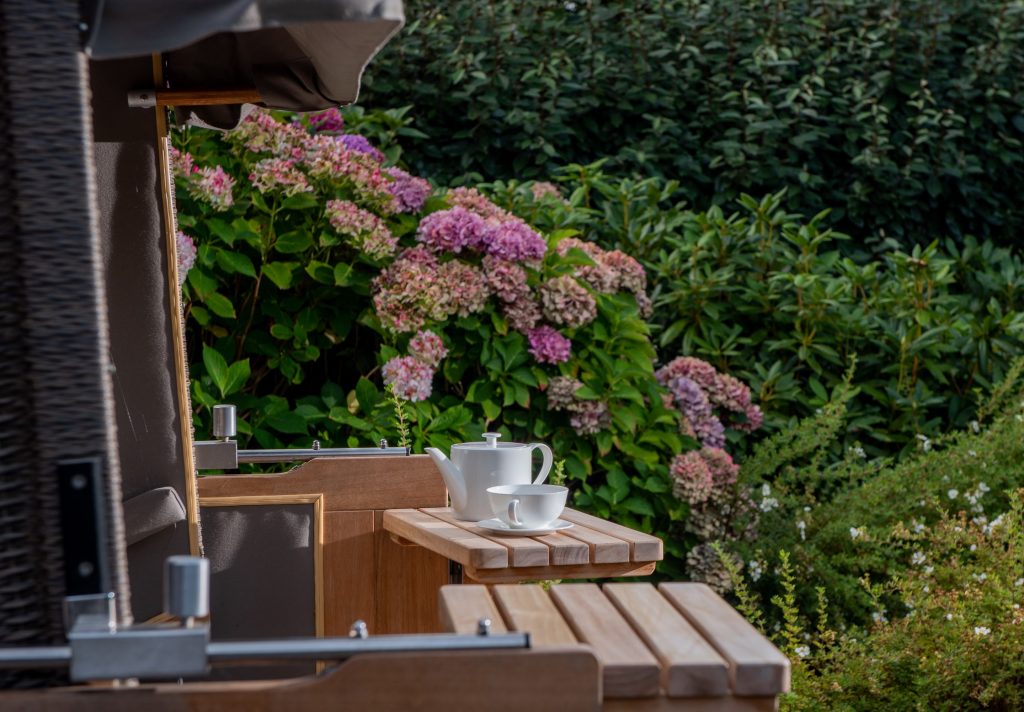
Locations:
column 528, row 506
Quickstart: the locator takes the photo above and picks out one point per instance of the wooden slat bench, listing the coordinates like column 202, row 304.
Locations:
column 677, row 646
column 592, row 548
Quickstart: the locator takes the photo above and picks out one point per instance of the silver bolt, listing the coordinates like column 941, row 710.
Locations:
column 79, row 482
column 358, row 630
column 383, row 443
column 483, row 626
column 316, row 444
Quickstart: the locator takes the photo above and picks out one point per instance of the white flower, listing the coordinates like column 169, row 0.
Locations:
column 768, row 504
column 926, row 444
column 807, row 509
column 1019, row 582
column 929, row 569
column 953, row 494
column 855, row 532
column 755, row 569
column 926, row 588
column 980, row 577
column 982, row 630
column 802, row 650
column 917, row 558
column 949, row 616
column 879, row 616
column 859, row 452
column 766, row 490
column 802, row 526
column 918, row 526
column 974, row 547
column 972, row 453
column 975, row 426
column 570, row 7
column 982, row 487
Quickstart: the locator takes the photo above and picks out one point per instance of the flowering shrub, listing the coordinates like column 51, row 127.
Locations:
column 323, row 273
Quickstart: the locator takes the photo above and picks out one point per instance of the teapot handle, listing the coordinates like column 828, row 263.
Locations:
column 546, row 466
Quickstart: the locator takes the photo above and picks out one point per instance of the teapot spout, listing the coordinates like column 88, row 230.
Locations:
column 452, row 476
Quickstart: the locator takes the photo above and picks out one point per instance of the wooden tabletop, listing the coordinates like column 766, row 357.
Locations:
column 679, row 640
column 591, row 548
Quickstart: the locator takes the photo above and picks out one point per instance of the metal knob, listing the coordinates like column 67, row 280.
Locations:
column 187, row 587
column 483, row 626
column 224, row 422
column 359, row 630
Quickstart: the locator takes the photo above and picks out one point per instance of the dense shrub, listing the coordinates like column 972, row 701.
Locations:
column 863, row 517
column 321, row 273
column 906, row 117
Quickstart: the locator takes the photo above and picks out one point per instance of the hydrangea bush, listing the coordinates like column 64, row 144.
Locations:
column 323, row 273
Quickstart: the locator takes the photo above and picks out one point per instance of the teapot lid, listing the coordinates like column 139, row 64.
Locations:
column 490, row 443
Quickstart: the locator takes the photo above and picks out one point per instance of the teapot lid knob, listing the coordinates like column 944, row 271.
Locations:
column 492, row 439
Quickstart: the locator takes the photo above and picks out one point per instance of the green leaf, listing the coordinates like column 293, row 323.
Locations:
column 295, row 241
column 235, row 262
column 320, row 271
column 216, row 368
column 367, row 395
column 281, row 331
column 639, row 505
column 238, row 374
column 280, row 273
column 221, row 229
column 343, row 274
column 450, row 419
column 619, row 482
column 287, row 422
column 300, row 201
column 220, row 305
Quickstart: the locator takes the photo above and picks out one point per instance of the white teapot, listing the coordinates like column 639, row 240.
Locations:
column 478, row 465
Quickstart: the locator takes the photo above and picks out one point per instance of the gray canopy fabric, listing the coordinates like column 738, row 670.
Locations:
column 300, row 55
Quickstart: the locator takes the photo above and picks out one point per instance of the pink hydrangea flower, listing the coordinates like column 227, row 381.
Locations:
column 475, row 202
column 279, row 175
column 515, row 241
column 721, row 390
column 412, row 379
column 428, row 348
column 724, row 472
column 451, row 230
column 326, row 157
column 328, row 121
column 589, row 417
column 561, row 392
column 523, row 313
column 185, row 250
column 567, row 302
column 691, row 477
column 548, row 346
column 410, row 193
column 367, row 231
column 544, row 189
column 262, row 133
column 407, row 292
column 181, row 163
column 506, row 279
column 463, row 287
column 212, row 186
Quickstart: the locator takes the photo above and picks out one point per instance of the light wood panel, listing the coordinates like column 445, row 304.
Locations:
column 446, row 539
column 348, row 565
column 529, row 609
column 522, row 551
column 567, row 680
column 642, row 547
column 604, row 549
column 756, row 667
column 407, row 582
column 694, row 704
column 462, row 607
column 630, row 669
column 547, row 573
column 346, row 483
column 690, row 666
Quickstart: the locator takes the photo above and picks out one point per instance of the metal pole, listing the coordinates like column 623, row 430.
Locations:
column 303, row 454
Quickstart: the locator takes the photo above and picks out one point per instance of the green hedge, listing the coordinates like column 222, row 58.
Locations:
column 906, row 118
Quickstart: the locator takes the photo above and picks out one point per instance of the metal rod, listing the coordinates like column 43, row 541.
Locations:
column 341, row 648
column 303, row 454
column 41, row 657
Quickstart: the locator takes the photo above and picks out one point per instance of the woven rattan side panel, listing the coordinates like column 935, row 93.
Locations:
column 54, row 368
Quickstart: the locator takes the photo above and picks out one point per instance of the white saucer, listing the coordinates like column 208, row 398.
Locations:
column 499, row 527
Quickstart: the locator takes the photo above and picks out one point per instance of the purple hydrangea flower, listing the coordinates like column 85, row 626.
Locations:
column 548, row 346
column 186, row 253
column 329, row 120
column 428, row 348
column 361, row 144
column 515, row 241
column 451, row 230
column 410, row 192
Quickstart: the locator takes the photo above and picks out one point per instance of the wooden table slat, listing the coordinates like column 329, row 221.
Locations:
column 547, row 573
column 446, row 539
column 529, row 608
column 522, row 551
column 462, row 607
column 564, row 550
column 691, row 667
column 604, row 549
column 756, row 667
column 630, row 669
column 643, row 547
